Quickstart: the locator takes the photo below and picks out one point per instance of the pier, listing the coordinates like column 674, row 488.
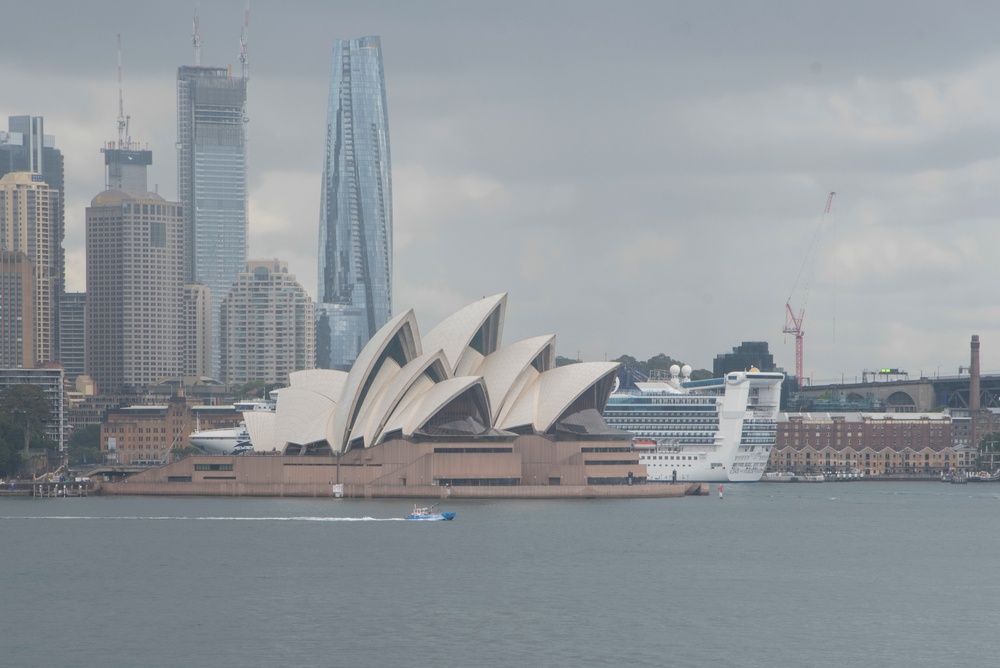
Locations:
column 46, row 490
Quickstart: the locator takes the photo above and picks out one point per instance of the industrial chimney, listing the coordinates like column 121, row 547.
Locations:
column 974, row 376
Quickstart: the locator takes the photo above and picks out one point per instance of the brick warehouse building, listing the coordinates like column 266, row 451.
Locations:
column 873, row 444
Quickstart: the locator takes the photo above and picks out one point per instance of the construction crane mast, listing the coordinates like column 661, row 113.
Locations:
column 123, row 137
column 244, row 55
column 196, row 38
column 793, row 323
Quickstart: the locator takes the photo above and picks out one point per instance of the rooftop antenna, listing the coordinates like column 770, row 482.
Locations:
column 244, row 55
column 123, row 136
column 196, row 38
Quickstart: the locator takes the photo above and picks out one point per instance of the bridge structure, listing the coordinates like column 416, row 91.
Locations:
column 906, row 396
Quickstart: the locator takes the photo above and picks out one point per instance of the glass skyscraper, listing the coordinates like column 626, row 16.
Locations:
column 26, row 148
column 212, row 181
column 355, row 229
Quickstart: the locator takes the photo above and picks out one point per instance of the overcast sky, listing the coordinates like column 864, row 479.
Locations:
column 641, row 177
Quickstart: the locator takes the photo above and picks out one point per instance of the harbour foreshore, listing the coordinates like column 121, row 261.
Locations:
column 357, row 491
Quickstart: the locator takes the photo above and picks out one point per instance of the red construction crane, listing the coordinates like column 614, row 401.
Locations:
column 793, row 324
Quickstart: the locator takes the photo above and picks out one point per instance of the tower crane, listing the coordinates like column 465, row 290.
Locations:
column 196, row 38
column 244, row 54
column 793, row 323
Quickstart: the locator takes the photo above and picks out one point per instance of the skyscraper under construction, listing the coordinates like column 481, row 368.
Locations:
column 212, row 180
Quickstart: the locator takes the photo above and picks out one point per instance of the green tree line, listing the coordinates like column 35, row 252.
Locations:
column 24, row 411
column 656, row 362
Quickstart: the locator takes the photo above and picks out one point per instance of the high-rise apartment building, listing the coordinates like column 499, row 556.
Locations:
column 134, row 283
column 212, row 180
column 355, row 229
column 17, row 313
column 196, row 331
column 72, row 334
column 268, row 325
column 28, row 207
column 52, row 382
column 26, row 148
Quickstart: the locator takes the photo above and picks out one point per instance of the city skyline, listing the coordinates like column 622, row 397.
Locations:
column 641, row 179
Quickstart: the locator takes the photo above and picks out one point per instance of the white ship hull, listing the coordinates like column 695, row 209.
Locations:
column 721, row 430
column 221, row 441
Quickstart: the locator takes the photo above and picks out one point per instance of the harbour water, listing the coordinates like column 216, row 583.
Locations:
column 834, row 574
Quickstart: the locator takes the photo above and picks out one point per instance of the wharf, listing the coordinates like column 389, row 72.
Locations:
column 358, row 491
column 46, row 490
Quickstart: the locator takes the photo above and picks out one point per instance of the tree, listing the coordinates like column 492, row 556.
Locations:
column 661, row 361
column 85, row 445
column 27, row 407
column 253, row 388
column 701, row 374
column 990, row 442
column 628, row 361
column 10, row 456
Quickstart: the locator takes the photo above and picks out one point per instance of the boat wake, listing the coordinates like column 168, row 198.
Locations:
column 206, row 519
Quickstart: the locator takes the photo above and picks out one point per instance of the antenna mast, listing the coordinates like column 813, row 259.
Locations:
column 123, row 137
column 244, row 55
column 196, row 38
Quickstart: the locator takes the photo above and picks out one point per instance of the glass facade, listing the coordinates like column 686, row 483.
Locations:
column 72, row 333
column 26, row 148
column 355, row 231
column 212, row 181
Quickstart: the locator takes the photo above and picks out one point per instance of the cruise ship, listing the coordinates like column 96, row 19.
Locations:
column 222, row 441
column 717, row 430
column 232, row 440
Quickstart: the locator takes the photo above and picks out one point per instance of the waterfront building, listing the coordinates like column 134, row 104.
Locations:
column 355, row 229
column 144, row 435
column 196, row 331
column 872, row 444
column 134, row 282
column 28, row 207
column 268, row 325
column 72, row 334
column 424, row 415
column 455, row 408
column 50, row 380
column 212, row 181
column 17, row 313
column 26, row 148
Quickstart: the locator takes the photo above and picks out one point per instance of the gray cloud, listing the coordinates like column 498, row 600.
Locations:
column 642, row 177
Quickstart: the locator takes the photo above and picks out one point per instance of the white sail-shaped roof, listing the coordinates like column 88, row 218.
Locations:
column 505, row 367
column 260, row 426
column 541, row 402
column 302, row 416
column 477, row 326
column 385, row 374
column 413, row 396
column 438, row 397
column 465, row 384
column 398, row 340
column 560, row 387
column 429, row 368
column 521, row 411
column 328, row 382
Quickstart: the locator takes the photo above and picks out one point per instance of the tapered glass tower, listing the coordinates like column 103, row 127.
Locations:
column 355, row 229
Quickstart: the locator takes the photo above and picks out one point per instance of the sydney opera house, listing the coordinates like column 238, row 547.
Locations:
column 453, row 408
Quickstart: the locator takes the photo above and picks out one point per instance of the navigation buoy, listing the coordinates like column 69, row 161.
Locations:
column 720, row 492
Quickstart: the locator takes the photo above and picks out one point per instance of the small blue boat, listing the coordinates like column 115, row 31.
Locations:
column 425, row 514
